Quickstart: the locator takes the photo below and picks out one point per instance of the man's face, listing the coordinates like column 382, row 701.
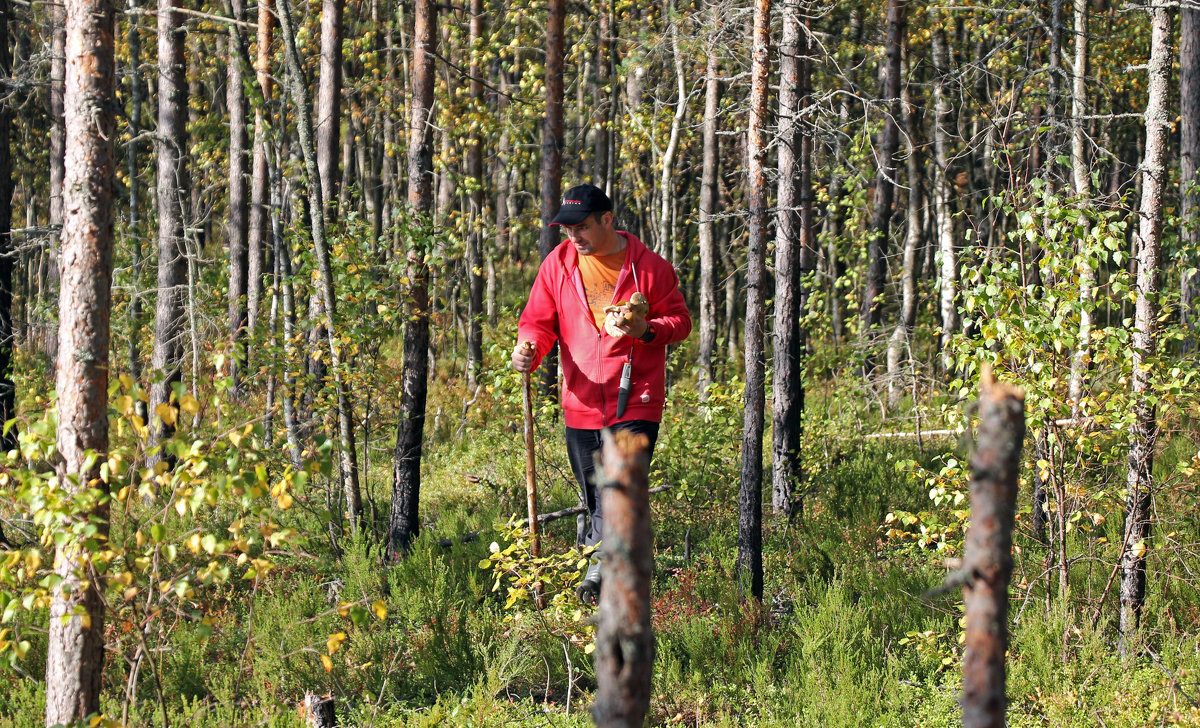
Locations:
column 590, row 237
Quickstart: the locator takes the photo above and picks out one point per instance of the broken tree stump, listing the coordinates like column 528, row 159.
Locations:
column 318, row 711
column 987, row 560
column 624, row 640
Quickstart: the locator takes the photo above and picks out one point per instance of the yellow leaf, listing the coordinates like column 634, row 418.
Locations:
column 181, row 507
column 284, row 500
column 126, row 381
column 327, row 663
column 123, row 494
column 380, row 610
column 1139, row 549
column 85, row 619
column 167, row 414
column 235, row 437
column 189, row 404
column 334, row 643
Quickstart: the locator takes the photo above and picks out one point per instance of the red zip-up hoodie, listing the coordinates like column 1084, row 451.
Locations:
column 591, row 359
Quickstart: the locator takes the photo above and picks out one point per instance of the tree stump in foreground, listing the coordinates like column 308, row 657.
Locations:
column 624, row 641
column 318, row 711
column 987, row 561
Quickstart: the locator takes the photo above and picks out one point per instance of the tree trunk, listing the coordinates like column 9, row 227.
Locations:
column 8, row 392
column 987, row 557
column 901, row 338
column 1189, row 164
column 58, row 70
column 605, row 63
column 75, row 647
column 239, row 203
column 132, row 169
column 788, row 404
column 329, row 99
column 1144, row 429
column 406, row 466
column 943, row 123
column 1080, row 176
column 316, row 204
column 708, row 207
column 624, row 637
column 171, row 143
column 664, row 245
column 552, row 144
column 260, row 226
column 750, row 568
column 881, row 217
column 475, row 261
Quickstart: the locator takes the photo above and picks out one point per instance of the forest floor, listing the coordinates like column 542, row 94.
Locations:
column 844, row 636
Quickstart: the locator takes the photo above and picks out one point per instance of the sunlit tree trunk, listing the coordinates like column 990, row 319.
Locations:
column 475, row 261
column 239, row 203
column 329, row 103
column 406, row 462
column 171, row 145
column 260, row 227
column 1081, row 180
column 1189, row 164
column 664, row 243
column 58, row 60
column 901, row 339
column 75, row 643
column 552, row 145
column 8, row 401
column 132, row 156
column 750, row 568
column 943, row 209
column 1143, row 431
column 708, row 207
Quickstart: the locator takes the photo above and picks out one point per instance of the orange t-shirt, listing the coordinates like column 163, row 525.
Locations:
column 599, row 274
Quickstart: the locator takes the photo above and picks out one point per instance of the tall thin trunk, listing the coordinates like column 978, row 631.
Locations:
column 1189, row 165
column 239, row 203
column 708, row 205
column 171, row 144
column 329, row 99
column 1144, row 429
column 475, row 261
column 58, row 70
column 552, row 145
column 260, row 227
column 8, row 392
column 133, row 151
column 664, row 242
column 605, row 62
column 287, row 294
column 406, row 465
column 902, row 334
column 942, row 192
column 300, row 99
column 75, row 647
column 889, row 140
column 788, row 403
column 1081, row 179
column 750, row 568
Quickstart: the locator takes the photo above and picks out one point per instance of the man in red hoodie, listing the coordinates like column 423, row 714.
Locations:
column 596, row 267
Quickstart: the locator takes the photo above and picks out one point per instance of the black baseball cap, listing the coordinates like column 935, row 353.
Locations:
column 579, row 202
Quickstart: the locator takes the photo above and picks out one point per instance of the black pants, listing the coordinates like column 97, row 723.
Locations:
column 581, row 448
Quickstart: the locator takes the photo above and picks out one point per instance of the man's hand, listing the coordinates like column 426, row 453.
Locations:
column 627, row 319
column 522, row 356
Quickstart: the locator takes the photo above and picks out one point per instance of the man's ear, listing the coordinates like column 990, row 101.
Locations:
column 606, row 219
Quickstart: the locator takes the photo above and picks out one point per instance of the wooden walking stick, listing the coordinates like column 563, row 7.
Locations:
column 530, row 463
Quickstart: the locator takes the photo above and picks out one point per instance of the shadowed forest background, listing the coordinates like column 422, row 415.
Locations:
column 305, row 469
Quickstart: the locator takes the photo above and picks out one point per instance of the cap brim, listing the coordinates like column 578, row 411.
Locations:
column 570, row 217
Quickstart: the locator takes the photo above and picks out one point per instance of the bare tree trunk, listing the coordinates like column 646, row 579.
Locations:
column 1083, row 190
column 1144, row 431
column 1189, row 164
column 790, row 241
column 663, row 244
column 329, row 103
column 8, row 392
column 283, row 257
column 708, row 205
column 135, row 234
column 881, row 218
column 58, row 70
column 75, row 647
column 901, row 338
column 260, row 226
column 987, row 558
column 316, row 204
column 171, row 143
column 552, row 145
column 406, row 466
column 605, row 63
column 239, row 203
column 624, row 637
column 475, row 237
column 750, row 569
column 943, row 209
